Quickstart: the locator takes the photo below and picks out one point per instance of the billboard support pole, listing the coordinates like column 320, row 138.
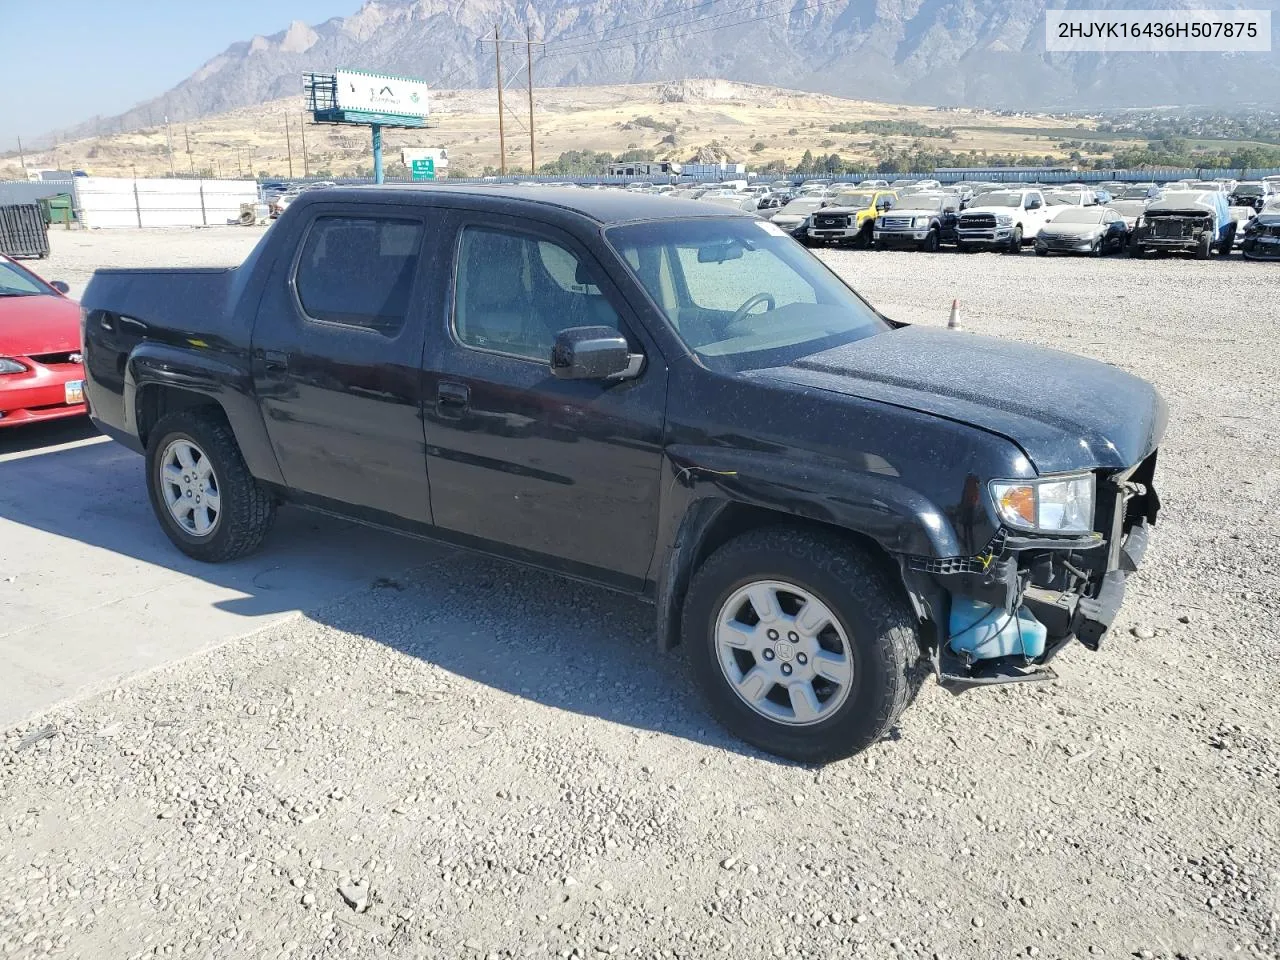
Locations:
column 377, row 153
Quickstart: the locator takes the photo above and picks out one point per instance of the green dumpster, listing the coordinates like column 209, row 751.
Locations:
column 57, row 208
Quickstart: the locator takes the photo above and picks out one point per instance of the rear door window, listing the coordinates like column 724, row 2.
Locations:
column 359, row 271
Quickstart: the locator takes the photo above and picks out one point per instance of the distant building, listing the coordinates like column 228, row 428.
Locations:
column 643, row 168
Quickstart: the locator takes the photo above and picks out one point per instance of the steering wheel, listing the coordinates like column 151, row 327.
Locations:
column 758, row 299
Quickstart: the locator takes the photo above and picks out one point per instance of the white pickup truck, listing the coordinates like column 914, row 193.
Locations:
column 1003, row 218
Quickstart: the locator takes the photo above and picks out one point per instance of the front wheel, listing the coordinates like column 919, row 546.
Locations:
column 801, row 643
column 1015, row 241
column 930, row 243
column 1204, row 248
column 202, row 493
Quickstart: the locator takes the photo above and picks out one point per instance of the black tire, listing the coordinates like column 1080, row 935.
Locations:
column 247, row 510
column 931, row 243
column 866, row 237
column 1133, row 250
column 872, row 610
column 1204, row 249
column 1228, row 242
column 1041, row 253
column 1096, row 249
column 1015, row 241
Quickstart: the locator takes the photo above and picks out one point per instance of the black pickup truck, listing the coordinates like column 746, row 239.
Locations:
column 656, row 395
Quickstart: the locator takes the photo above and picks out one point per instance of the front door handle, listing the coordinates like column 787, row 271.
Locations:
column 275, row 360
column 452, row 399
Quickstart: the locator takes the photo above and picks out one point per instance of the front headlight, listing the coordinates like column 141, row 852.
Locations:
column 11, row 366
column 1004, row 219
column 920, row 222
column 1047, row 505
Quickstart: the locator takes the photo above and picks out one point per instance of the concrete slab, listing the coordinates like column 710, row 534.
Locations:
column 91, row 591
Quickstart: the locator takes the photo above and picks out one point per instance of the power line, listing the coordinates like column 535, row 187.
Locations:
column 632, row 23
column 612, row 43
column 593, row 43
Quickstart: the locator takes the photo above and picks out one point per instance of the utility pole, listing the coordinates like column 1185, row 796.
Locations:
column 239, row 167
column 168, row 136
column 22, row 158
column 528, row 42
column 528, row 55
column 302, row 125
column 288, row 142
column 191, row 158
column 502, row 138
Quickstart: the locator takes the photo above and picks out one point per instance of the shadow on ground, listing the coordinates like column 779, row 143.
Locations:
column 555, row 641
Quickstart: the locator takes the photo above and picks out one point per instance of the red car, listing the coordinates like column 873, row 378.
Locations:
column 41, row 373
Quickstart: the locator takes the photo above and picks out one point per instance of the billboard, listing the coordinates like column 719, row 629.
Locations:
column 361, row 92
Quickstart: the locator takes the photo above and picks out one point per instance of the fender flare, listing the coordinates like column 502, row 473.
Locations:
column 900, row 521
column 201, row 369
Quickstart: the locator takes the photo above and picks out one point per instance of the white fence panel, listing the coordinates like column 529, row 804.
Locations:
column 155, row 202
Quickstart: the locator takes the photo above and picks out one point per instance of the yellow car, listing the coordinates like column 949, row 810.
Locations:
column 850, row 216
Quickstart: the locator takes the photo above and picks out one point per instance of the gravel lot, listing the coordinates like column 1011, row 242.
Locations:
column 475, row 760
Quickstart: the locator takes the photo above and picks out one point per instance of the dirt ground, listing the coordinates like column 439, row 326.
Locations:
column 476, row 760
column 691, row 113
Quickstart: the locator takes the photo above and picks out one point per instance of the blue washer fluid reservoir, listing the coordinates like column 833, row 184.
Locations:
column 984, row 632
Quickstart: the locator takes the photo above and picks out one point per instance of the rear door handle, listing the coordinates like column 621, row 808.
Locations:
column 276, row 360
column 452, row 399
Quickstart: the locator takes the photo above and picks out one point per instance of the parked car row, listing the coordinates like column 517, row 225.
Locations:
column 1161, row 220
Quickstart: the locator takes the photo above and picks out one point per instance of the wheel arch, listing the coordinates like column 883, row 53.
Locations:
column 161, row 379
column 711, row 522
column 154, row 401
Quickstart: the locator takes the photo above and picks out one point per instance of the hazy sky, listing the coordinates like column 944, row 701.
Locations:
column 66, row 60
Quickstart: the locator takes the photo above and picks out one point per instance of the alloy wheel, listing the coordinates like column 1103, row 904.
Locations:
column 190, row 488
column 784, row 652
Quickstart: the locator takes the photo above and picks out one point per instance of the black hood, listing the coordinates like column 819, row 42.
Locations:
column 1065, row 412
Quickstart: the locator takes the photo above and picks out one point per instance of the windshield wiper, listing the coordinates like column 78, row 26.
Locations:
column 17, row 293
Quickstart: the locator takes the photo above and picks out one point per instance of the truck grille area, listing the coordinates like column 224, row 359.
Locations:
column 830, row 223
column 896, row 223
column 978, row 221
column 1170, row 229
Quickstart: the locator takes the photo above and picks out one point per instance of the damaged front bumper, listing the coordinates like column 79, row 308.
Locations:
column 1072, row 585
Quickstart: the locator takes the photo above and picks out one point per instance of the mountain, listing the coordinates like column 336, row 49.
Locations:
column 986, row 53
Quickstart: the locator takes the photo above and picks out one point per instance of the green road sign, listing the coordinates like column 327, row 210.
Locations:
column 424, row 169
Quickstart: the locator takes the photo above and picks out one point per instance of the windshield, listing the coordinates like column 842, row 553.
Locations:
column 933, row 204
column 854, row 201
column 16, row 282
column 1249, row 190
column 740, row 293
column 1079, row 215
column 801, row 206
column 1134, row 193
column 1000, row 198
column 1128, row 208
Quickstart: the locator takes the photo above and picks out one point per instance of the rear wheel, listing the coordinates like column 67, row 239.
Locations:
column 1228, row 242
column 801, row 643
column 206, row 500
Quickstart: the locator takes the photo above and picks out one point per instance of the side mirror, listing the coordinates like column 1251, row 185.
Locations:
column 61, row 286
column 1034, row 204
column 589, row 353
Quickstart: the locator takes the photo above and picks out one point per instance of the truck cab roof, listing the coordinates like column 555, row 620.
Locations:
column 606, row 207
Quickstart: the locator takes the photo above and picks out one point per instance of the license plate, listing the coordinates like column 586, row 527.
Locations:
column 75, row 391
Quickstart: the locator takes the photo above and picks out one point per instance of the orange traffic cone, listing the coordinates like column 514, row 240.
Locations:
column 953, row 321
